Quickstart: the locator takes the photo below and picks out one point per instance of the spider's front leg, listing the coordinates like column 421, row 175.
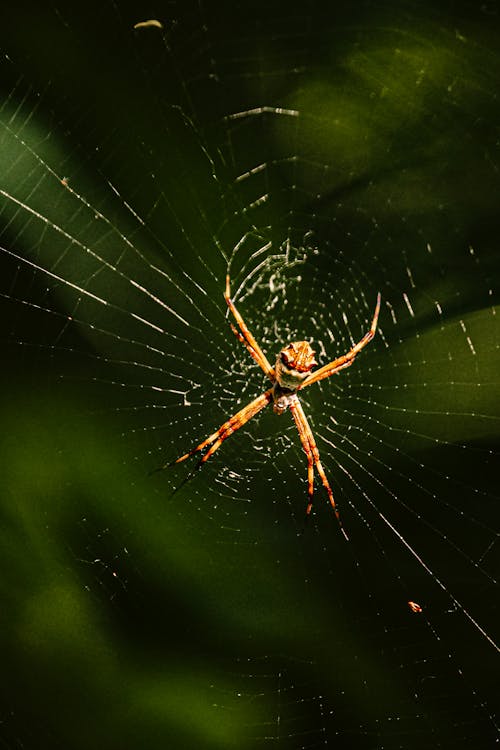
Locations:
column 246, row 337
column 345, row 360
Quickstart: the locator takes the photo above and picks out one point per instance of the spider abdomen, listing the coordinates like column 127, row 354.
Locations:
column 282, row 398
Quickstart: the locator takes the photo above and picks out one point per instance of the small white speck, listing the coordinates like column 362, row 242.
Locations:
column 408, row 305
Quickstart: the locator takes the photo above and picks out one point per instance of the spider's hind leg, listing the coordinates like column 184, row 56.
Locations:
column 215, row 440
column 313, row 459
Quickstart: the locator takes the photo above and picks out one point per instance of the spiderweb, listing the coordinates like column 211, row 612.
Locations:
column 318, row 158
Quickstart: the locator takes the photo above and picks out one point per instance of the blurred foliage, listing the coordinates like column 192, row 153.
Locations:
column 127, row 622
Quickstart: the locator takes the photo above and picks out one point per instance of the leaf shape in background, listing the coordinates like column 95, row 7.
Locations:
column 319, row 155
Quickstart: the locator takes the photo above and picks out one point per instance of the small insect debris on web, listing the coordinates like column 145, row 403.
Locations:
column 152, row 23
column 415, row 607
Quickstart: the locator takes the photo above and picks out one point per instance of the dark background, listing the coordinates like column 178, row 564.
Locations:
column 131, row 618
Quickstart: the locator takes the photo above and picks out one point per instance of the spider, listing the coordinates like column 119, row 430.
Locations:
column 291, row 373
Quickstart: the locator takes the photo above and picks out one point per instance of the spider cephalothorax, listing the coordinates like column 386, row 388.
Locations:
column 299, row 356
column 292, row 371
column 293, row 364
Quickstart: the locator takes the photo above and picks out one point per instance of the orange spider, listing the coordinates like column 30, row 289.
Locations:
column 291, row 373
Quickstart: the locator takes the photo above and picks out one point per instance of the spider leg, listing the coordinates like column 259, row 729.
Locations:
column 215, row 440
column 345, row 360
column 246, row 336
column 313, row 459
column 245, row 343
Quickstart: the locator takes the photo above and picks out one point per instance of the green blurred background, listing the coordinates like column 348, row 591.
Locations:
column 134, row 619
